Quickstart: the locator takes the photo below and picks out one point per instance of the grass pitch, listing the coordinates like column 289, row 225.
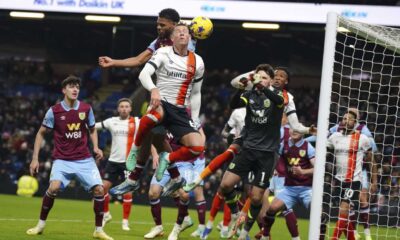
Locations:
column 73, row 219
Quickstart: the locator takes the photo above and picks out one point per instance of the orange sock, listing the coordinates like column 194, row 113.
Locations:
column 341, row 226
column 147, row 122
column 246, row 205
column 185, row 153
column 127, row 205
column 219, row 160
column 218, row 200
column 227, row 215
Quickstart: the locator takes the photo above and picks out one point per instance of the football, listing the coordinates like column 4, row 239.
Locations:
column 201, row 27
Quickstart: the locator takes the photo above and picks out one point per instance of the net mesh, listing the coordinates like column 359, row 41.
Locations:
column 367, row 78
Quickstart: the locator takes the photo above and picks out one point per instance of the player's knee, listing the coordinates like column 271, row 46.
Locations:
column 184, row 197
column 154, row 194
column 199, row 194
column 51, row 192
column 98, row 190
column 225, row 187
column 54, row 188
column 256, row 199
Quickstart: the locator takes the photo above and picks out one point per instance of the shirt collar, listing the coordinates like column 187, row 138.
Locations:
column 67, row 108
column 298, row 144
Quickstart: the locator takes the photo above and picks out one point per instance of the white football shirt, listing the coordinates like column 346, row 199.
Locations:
column 119, row 130
column 236, row 121
column 349, row 154
column 173, row 79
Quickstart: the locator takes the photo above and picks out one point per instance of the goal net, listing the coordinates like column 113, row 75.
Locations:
column 361, row 72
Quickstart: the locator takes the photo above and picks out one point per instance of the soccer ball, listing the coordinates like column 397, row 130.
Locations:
column 201, row 27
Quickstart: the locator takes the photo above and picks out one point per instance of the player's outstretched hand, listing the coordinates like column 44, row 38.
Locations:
column 98, row 153
column 106, row 62
column 313, row 130
column 34, row 167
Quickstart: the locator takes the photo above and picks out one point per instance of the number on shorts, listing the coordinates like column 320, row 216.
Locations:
column 348, row 193
column 262, row 176
column 251, row 177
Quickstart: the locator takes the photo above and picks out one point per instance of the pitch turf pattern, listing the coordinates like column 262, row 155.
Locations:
column 72, row 219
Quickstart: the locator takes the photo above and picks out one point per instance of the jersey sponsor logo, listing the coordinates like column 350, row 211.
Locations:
column 258, row 113
column 75, row 135
column 73, row 126
column 82, row 116
column 293, row 161
column 73, row 131
column 302, row 153
column 259, row 120
column 177, row 74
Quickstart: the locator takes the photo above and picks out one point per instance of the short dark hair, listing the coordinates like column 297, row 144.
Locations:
column 266, row 68
column 71, row 79
column 170, row 14
column 286, row 70
column 124, row 100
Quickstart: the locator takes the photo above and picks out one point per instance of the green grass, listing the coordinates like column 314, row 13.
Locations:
column 72, row 219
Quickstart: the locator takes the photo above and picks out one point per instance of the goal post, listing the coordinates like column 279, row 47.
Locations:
column 323, row 124
column 361, row 69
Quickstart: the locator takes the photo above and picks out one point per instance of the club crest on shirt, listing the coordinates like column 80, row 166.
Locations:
column 302, row 153
column 82, row 116
column 231, row 165
column 267, row 103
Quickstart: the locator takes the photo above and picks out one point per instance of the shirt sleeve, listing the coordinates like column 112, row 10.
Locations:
column 310, row 151
column 373, row 145
column 281, row 148
column 290, row 107
column 366, row 131
column 329, row 143
column 48, row 120
column 199, row 71
column 311, row 139
column 232, row 122
column 152, row 46
column 365, row 143
column 91, row 120
column 157, row 60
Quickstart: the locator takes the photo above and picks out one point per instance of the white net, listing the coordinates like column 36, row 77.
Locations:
column 367, row 77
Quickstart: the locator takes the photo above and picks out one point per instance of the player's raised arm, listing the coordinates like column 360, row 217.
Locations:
column 243, row 81
column 139, row 60
column 297, row 126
